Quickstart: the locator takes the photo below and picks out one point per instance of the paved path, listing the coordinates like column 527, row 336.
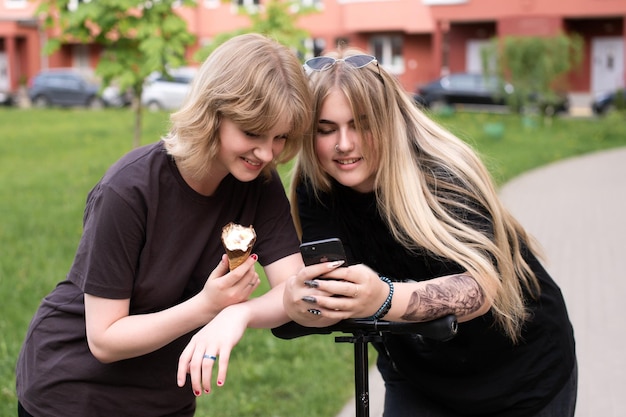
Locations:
column 577, row 211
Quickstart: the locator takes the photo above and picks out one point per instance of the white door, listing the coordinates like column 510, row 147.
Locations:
column 607, row 64
column 473, row 56
column 4, row 72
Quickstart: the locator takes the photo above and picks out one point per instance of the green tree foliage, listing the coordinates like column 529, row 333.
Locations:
column 275, row 18
column 137, row 38
column 535, row 66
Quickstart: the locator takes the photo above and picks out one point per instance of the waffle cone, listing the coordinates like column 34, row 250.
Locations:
column 237, row 257
column 236, row 236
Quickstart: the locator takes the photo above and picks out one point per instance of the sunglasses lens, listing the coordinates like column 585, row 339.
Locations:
column 359, row 61
column 320, row 63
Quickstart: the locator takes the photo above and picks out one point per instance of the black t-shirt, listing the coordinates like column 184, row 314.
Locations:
column 148, row 237
column 479, row 372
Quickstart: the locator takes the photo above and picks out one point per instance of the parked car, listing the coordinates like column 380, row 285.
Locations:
column 465, row 88
column 167, row 91
column 113, row 97
column 64, row 87
column 69, row 87
column 605, row 102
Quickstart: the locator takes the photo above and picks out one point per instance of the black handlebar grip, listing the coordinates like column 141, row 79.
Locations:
column 442, row 329
column 292, row 330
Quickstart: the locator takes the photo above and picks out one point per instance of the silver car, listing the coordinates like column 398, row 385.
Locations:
column 167, row 92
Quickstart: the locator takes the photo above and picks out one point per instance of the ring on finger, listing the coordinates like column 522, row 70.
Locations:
column 211, row 357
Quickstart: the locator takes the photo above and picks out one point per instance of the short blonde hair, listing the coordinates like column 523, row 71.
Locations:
column 251, row 80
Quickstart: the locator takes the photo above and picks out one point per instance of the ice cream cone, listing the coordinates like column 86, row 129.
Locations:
column 238, row 242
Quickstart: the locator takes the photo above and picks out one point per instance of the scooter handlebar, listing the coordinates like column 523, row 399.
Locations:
column 442, row 329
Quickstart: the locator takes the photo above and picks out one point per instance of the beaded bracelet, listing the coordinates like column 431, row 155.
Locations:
column 384, row 309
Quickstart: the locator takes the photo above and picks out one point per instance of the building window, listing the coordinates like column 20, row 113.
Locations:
column 252, row 6
column 72, row 5
column 246, row 3
column 212, row 4
column 388, row 51
column 306, row 5
column 361, row 1
column 80, row 56
column 442, row 2
column 314, row 47
column 15, row 4
column 312, row 3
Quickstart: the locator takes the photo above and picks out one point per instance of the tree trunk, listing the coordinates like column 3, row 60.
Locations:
column 138, row 111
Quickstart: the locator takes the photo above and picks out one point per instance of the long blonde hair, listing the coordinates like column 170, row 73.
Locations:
column 426, row 181
column 254, row 82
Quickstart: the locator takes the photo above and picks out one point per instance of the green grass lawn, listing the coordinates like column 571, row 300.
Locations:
column 49, row 160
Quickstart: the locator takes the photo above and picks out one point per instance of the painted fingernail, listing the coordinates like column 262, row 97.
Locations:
column 196, row 393
column 311, row 283
column 314, row 311
column 255, row 256
column 309, row 299
column 206, row 391
column 220, row 383
column 335, row 264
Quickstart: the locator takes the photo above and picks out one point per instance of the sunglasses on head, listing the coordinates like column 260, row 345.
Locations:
column 322, row 63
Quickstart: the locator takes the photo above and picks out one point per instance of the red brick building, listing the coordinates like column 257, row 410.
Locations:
column 415, row 39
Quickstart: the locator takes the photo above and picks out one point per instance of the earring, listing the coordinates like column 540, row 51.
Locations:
column 337, row 148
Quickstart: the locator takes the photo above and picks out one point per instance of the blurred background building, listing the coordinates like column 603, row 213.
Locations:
column 418, row 40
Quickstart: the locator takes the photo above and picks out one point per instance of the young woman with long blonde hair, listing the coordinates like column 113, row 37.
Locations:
column 426, row 236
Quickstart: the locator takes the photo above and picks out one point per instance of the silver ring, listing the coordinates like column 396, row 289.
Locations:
column 209, row 357
column 337, row 148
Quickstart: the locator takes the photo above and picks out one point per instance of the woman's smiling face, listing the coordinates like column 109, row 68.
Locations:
column 339, row 146
column 245, row 154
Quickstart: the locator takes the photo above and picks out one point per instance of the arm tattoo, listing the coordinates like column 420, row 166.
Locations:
column 458, row 294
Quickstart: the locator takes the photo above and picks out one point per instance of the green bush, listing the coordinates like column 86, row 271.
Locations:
column 535, row 65
column 620, row 101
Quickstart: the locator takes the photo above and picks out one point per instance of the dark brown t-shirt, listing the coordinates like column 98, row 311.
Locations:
column 148, row 237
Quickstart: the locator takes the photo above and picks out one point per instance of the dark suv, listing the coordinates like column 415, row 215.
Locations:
column 464, row 88
column 65, row 87
column 475, row 89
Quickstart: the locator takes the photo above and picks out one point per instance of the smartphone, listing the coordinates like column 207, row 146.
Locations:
column 326, row 250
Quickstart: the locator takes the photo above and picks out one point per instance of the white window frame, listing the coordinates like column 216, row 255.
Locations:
column 212, row 4
column 443, row 2
column 394, row 63
column 73, row 4
column 248, row 4
column 365, row 1
column 313, row 45
column 80, row 56
column 317, row 4
column 15, row 4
